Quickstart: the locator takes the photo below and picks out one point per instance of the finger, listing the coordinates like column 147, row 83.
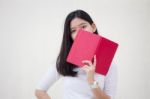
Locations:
column 87, row 62
column 85, row 67
column 94, row 63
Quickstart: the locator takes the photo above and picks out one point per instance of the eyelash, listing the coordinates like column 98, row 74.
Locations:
column 84, row 26
column 72, row 31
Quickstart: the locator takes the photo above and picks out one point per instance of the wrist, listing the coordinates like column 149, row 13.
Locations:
column 94, row 84
column 91, row 81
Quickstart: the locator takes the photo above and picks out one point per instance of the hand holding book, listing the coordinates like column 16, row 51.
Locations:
column 89, row 68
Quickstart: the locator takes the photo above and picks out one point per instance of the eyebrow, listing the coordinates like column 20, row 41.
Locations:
column 79, row 25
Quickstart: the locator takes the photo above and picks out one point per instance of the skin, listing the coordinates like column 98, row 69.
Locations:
column 89, row 67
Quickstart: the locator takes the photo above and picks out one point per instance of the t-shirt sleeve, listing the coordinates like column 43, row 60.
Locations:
column 49, row 78
column 110, row 85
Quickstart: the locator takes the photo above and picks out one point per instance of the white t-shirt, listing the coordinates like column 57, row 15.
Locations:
column 78, row 87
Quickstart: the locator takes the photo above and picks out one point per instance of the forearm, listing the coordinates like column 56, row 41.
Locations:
column 99, row 94
column 89, row 68
column 42, row 95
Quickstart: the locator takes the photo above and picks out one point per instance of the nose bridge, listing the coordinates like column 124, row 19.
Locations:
column 77, row 29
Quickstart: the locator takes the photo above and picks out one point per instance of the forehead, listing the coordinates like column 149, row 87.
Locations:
column 77, row 22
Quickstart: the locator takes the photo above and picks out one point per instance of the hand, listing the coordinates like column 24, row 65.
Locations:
column 89, row 68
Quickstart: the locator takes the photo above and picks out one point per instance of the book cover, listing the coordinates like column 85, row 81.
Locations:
column 86, row 45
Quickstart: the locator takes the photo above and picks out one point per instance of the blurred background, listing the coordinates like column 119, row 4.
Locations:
column 31, row 33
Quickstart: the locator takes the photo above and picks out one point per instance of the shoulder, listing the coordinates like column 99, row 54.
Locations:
column 52, row 70
column 113, row 67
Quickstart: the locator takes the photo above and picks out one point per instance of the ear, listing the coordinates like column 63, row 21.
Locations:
column 94, row 27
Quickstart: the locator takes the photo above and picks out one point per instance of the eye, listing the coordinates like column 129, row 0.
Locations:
column 72, row 31
column 84, row 26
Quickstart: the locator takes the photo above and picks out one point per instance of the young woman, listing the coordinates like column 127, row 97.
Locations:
column 79, row 83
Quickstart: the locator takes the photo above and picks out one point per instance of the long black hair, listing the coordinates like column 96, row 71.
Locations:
column 63, row 67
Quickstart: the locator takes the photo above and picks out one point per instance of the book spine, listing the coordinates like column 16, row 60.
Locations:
column 98, row 44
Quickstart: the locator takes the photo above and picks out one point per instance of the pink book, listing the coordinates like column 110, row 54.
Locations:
column 86, row 45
